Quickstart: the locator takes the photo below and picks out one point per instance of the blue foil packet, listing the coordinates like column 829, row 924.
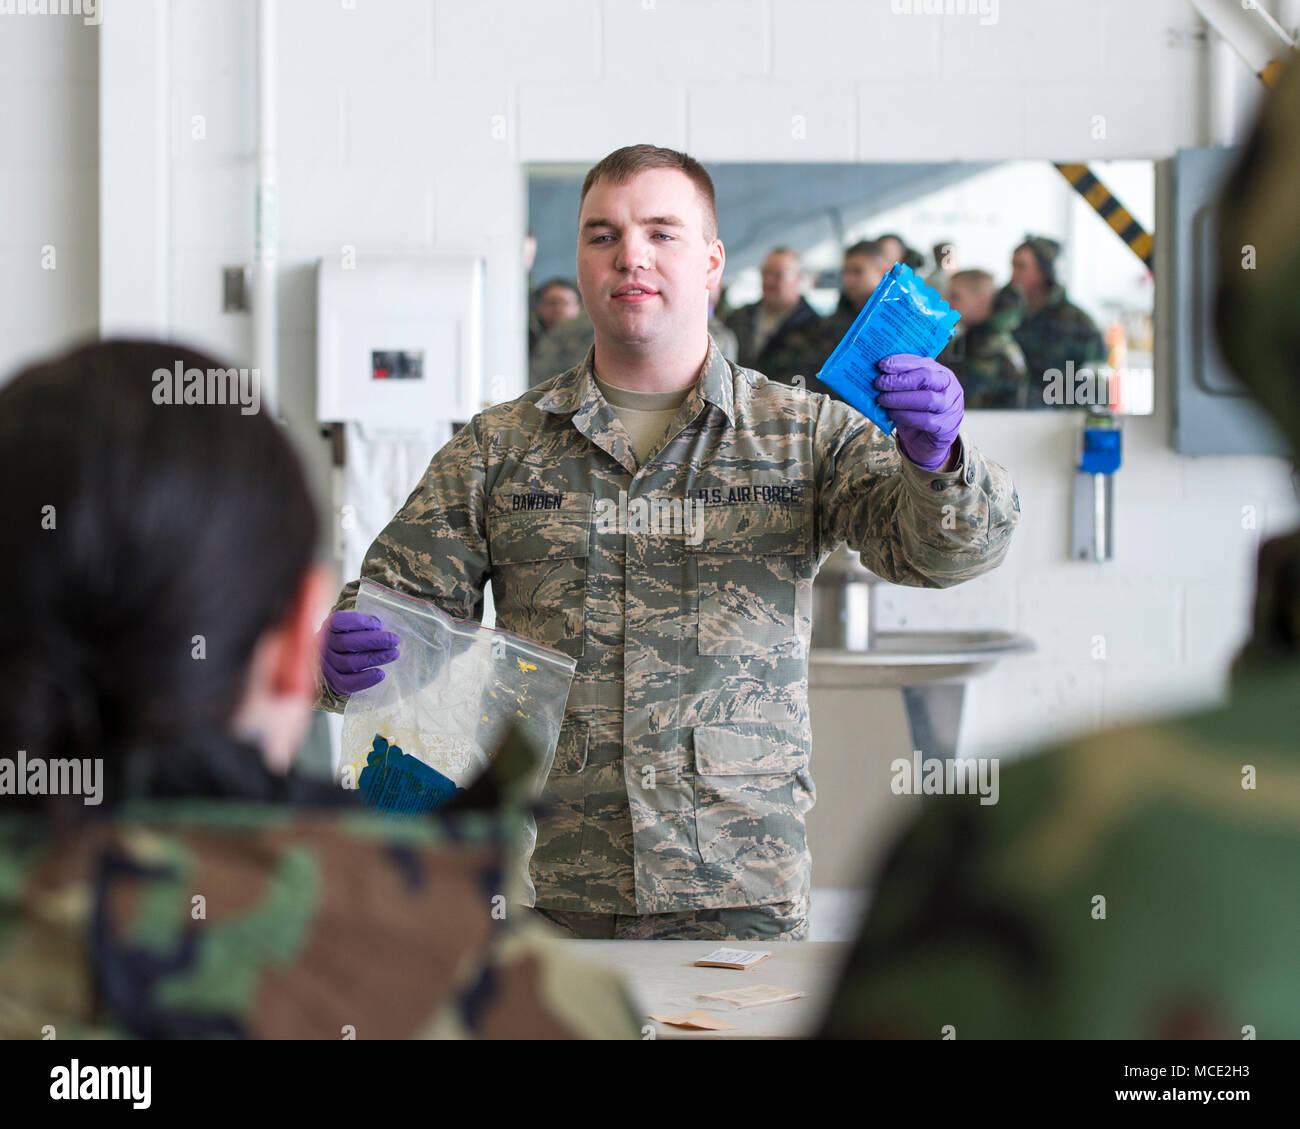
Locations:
column 903, row 315
column 397, row 783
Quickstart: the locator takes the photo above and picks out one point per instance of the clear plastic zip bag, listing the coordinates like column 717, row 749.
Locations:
column 445, row 705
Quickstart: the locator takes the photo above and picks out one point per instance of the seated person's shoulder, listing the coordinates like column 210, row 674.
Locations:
column 1194, row 767
column 346, row 919
column 535, row 986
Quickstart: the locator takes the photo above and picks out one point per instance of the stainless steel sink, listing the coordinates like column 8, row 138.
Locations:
column 930, row 668
column 914, row 658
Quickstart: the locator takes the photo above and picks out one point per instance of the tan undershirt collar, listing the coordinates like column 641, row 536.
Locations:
column 641, row 401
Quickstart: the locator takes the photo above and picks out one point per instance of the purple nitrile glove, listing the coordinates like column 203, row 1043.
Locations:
column 352, row 647
column 925, row 401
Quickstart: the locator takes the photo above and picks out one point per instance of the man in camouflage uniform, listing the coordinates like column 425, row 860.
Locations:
column 764, row 329
column 681, row 777
column 804, row 351
column 983, row 353
column 1053, row 331
column 865, row 264
column 1140, row 883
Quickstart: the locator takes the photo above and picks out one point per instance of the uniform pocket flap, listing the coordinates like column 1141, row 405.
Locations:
column 517, row 535
column 745, row 750
column 571, row 749
column 752, row 528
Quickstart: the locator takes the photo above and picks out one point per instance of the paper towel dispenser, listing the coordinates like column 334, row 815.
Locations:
column 399, row 340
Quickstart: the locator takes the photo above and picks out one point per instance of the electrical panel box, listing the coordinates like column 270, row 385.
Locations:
column 399, row 340
column 1213, row 413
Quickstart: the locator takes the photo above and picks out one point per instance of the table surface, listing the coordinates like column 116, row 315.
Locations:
column 663, row 980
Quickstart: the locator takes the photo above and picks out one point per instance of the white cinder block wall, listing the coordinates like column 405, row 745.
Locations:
column 407, row 125
column 49, row 218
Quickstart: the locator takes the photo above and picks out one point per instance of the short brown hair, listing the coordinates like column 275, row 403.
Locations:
column 976, row 278
column 624, row 164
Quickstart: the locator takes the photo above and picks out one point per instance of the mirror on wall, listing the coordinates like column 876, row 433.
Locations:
column 1057, row 310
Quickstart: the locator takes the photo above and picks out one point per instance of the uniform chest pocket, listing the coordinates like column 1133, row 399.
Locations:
column 539, row 569
column 748, row 564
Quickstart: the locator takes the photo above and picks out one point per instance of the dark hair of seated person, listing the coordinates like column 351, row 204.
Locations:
column 131, row 527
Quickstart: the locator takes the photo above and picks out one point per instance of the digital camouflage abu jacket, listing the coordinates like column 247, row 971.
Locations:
column 681, row 777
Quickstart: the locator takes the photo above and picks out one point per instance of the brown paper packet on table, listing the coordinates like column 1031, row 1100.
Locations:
column 699, row 1019
column 752, row 997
